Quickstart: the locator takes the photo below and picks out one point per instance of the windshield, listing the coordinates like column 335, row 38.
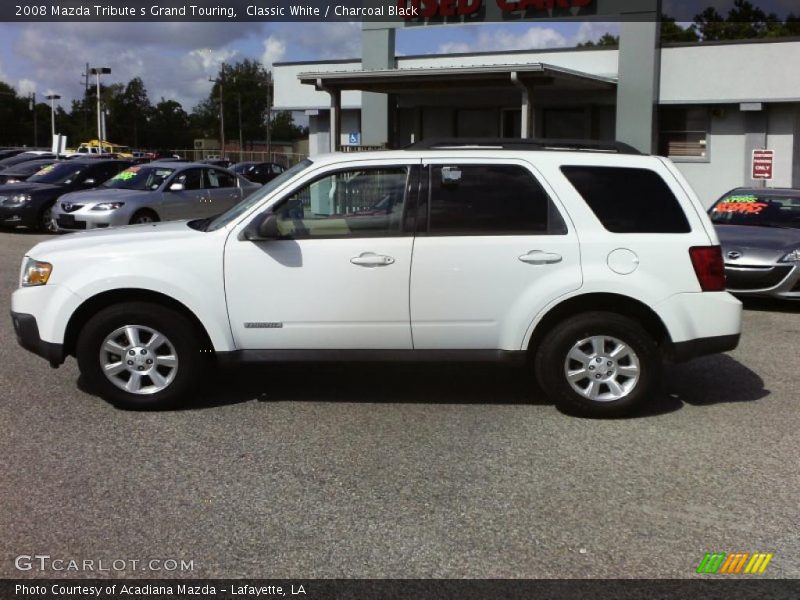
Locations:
column 58, row 174
column 257, row 196
column 759, row 210
column 242, row 167
column 139, row 178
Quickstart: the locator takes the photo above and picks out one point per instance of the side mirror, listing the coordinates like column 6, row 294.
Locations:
column 176, row 187
column 263, row 228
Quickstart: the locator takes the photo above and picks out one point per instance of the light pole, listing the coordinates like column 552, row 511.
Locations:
column 97, row 71
column 53, row 98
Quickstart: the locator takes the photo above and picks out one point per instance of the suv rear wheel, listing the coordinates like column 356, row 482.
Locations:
column 140, row 355
column 599, row 364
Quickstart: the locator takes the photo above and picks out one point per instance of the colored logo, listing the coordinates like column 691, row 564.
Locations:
column 735, row 563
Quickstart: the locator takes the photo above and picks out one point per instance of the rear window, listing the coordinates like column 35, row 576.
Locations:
column 628, row 200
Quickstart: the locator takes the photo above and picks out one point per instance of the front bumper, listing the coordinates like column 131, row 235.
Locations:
column 781, row 280
column 26, row 214
column 85, row 218
column 27, row 331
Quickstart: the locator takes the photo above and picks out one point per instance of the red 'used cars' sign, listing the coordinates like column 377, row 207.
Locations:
column 762, row 164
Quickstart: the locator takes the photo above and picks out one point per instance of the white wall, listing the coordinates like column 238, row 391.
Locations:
column 730, row 73
column 781, row 120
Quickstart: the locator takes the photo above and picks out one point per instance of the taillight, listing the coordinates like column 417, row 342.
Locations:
column 709, row 267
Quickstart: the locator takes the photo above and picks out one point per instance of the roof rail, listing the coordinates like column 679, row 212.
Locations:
column 523, row 144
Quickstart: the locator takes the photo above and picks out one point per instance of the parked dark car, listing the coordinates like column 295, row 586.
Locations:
column 24, row 157
column 260, row 172
column 9, row 152
column 759, row 230
column 217, row 162
column 23, row 171
column 30, row 203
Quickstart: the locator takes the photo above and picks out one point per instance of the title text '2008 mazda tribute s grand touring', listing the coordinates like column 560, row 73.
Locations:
column 594, row 262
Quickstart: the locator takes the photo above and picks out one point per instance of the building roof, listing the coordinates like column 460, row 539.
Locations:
column 433, row 78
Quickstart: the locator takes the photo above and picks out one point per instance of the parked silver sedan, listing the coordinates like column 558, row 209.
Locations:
column 153, row 192
column 759, row 230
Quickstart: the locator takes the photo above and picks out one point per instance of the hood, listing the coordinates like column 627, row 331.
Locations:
column 101, row 194
column 12, row 189
column 757, row 244
column 102, row 242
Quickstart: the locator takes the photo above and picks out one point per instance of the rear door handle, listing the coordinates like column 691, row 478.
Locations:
column 370, row 259
column 539, row 257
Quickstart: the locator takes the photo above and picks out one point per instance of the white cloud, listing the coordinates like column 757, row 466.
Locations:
column 532, row 38
column 26, row 86
column 274, row 51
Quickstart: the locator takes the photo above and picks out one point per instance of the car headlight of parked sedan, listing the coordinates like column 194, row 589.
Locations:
column 35, row 272
column 793, row 256
column 17, row 200
column 108, row 206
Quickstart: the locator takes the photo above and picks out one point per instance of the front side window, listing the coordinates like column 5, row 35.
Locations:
column 220, row 179
column 191, row 179
column 352, row 203
column 489, row 200
column 628, row 200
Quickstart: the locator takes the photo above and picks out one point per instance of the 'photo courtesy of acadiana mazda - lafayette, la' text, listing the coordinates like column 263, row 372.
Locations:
column 421, row 299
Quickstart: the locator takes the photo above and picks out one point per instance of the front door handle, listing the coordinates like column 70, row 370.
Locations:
column 370, row 259
column 539, row 257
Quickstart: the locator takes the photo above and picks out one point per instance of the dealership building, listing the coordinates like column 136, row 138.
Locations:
column 711, row 107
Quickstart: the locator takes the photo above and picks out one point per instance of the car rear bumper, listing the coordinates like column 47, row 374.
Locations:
column 683, row 351
column 27, row 331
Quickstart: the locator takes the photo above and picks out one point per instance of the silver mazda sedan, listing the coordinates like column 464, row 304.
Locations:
column 759, row 229
column 153, row 192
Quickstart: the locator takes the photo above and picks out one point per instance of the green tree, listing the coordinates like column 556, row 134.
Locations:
column 169, row 126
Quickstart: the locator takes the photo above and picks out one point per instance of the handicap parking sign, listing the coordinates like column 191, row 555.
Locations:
column 355, row 139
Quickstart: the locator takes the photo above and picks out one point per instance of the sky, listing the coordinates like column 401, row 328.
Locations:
column 175, row 60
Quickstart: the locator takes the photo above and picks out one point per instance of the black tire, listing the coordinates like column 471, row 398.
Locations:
column 45, row 222
column 182, row 335
column 551, row 365
column 144, row 216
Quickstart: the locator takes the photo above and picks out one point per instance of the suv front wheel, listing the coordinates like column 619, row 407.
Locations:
column 599, row 364
column 140, row 355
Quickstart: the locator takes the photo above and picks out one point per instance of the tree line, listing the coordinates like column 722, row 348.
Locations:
column 744, row 21
column 134, row 120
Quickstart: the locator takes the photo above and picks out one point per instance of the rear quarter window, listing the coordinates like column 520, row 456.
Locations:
column 628, row 200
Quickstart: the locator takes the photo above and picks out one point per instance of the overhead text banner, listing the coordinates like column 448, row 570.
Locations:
column 384, row 11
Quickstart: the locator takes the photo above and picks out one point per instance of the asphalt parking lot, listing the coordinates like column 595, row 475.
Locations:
column 399, row 471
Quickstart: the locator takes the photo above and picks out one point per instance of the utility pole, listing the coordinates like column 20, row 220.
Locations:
column 241, row 143
column 85, row 97
column 32, row 104
column 220, row 82
column 269, row 116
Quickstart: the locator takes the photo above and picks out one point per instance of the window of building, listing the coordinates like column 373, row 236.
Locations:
column 629, row 200
column 683, row 132
column 489, row 200
column 354, row 203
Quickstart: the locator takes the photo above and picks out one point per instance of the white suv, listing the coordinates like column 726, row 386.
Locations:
column 595, row 263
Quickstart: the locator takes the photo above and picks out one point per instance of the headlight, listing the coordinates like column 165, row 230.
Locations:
column 35, row 272
column 17, row 200
column 108, row 206
column 793, row 256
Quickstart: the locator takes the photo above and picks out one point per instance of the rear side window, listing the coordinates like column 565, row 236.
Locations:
column 628, row 200
column 489, row 200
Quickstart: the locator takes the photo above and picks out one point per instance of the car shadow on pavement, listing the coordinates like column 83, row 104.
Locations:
column 705, row 381
column 771, row 305
column 717, row 379
column 370, row 382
